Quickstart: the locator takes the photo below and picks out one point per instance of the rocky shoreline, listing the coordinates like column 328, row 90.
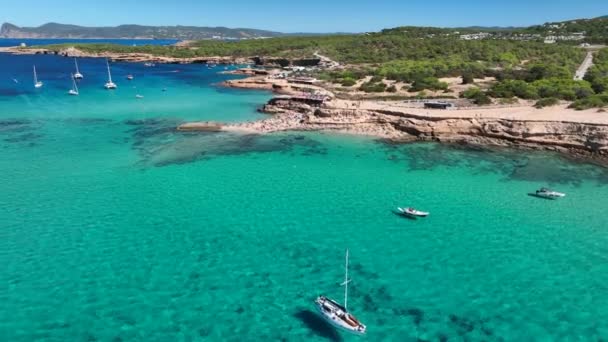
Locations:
column 576, row 133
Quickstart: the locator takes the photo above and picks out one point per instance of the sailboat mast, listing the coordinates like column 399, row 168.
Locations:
column 35, row 77
column 74, row 83
column 76, row 63
column 109, row 74
column 346, row 281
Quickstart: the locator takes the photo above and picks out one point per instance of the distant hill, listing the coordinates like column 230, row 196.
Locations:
column 596, row 29
column 55, row 30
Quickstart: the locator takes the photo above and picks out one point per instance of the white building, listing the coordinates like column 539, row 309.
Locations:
column 475, row 36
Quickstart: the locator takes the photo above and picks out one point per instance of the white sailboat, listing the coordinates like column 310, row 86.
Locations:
column 109, row 84
column 74, row 90
column 37, row 84
column 77, row 75
column 337, row 314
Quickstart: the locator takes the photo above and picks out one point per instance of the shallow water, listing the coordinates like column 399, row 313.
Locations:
column 116, row 227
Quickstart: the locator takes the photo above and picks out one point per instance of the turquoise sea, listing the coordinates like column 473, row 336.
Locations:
column 115, row 227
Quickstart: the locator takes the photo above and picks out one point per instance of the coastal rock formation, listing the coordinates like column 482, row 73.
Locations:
column 582, row 133
column 575, row 138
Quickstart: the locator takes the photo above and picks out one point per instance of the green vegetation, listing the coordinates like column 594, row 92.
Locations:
column 430, row 83
column 444, row 55
column 593, row 101
column 477, row 96
column 596, row 30
column 373, row 87
column 546, row 102
column 562, row 88
column 419, row 57
column 597, row 75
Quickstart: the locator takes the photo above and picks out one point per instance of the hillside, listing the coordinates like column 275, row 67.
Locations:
column 54, row 30
column 595, row 30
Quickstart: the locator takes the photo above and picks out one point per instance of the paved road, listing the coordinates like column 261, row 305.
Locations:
column 582, row 70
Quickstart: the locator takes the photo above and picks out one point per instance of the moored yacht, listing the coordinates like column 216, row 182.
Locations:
column 109, row 84
column 74, row 90
column 37, row 84
column 548, row 193
column 338, row 315
column 413, row 212
column 77, row 75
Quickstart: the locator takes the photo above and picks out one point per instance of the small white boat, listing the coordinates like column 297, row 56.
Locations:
column 413, row 212
column 337, row 314
column 74, row 90
column 148, row 64
column 139, row 96
column 130, row 77
column 548, row 193
column 109, row 84
column 77, row 75
column 37, row 84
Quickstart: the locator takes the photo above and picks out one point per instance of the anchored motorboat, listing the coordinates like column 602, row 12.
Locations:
column 413, row 212
column 338, row 315
column 130, row 77
column 548, row 193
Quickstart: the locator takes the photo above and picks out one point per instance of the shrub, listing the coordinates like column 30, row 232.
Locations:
column 430, row 83
column 348, row 82
column 370, row 87
column 468, row 78
column 511, row 88
column 470, row 93
column 508, row 100
column 546, row 102
column 477, row 96
column 482, row 99
column 594, row 101
column 376, row 79
column 565, row 89
column 391, row 89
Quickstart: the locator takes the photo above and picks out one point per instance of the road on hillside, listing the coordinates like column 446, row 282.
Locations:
column 582, row 70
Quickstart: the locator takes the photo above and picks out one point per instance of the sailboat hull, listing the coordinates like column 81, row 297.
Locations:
column 338, row 323
column 338, row 316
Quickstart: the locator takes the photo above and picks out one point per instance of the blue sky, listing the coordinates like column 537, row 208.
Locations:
column 300, row 16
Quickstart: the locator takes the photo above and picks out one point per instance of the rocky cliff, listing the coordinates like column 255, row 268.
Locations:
column 585, row 139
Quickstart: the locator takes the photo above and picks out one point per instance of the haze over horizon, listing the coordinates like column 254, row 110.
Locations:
column 315, row 16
